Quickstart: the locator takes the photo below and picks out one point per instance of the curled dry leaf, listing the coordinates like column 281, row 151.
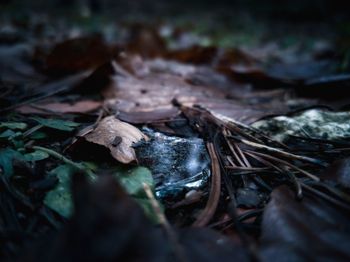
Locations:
column 118, row 136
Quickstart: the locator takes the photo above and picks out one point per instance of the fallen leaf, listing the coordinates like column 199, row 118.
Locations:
column 313, row 229
column 145, row 40
column 339, row 171
column 84, row 106
column 110, row 129
column 77, row 54
column 150, row 98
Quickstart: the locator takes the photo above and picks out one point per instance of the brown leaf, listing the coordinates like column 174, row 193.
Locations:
column 77, row 54
column 149, row 98
column 339, row 171
column 109, row 132
column 313, row 229
column 212, row 56
column 146, row 41
column 64, row 108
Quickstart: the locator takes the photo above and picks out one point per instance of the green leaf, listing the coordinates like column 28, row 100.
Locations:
column 14, row 125
column 17, row 143
column 8, row 133
column 38, row 135
column 36, row 156
column 59, row 124
column 133, row 180
column 6, row 157
column 147, row 207
column 60, row 198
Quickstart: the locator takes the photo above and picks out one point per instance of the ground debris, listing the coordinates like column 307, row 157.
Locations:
column 161, row 141
column 117, row 136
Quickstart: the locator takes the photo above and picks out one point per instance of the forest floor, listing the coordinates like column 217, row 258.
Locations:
column 168, row 134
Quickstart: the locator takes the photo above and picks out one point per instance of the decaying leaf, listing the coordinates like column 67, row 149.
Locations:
column 313, row 229
column 77, row 54
column 84, row 106
column 118, row 136
column 150, row 98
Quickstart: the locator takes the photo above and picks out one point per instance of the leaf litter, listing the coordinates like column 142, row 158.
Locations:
column 130, row 150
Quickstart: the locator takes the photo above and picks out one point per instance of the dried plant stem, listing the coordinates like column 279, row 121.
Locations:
column 313, row 177
column 215, row 190
column 281, row 152
column 59, row 156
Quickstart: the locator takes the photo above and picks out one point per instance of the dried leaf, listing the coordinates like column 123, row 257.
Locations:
column 339, row 171
column 312, row 229
column 146, row 41
column 77, row 54
column 84, row 106
column 110, row 129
